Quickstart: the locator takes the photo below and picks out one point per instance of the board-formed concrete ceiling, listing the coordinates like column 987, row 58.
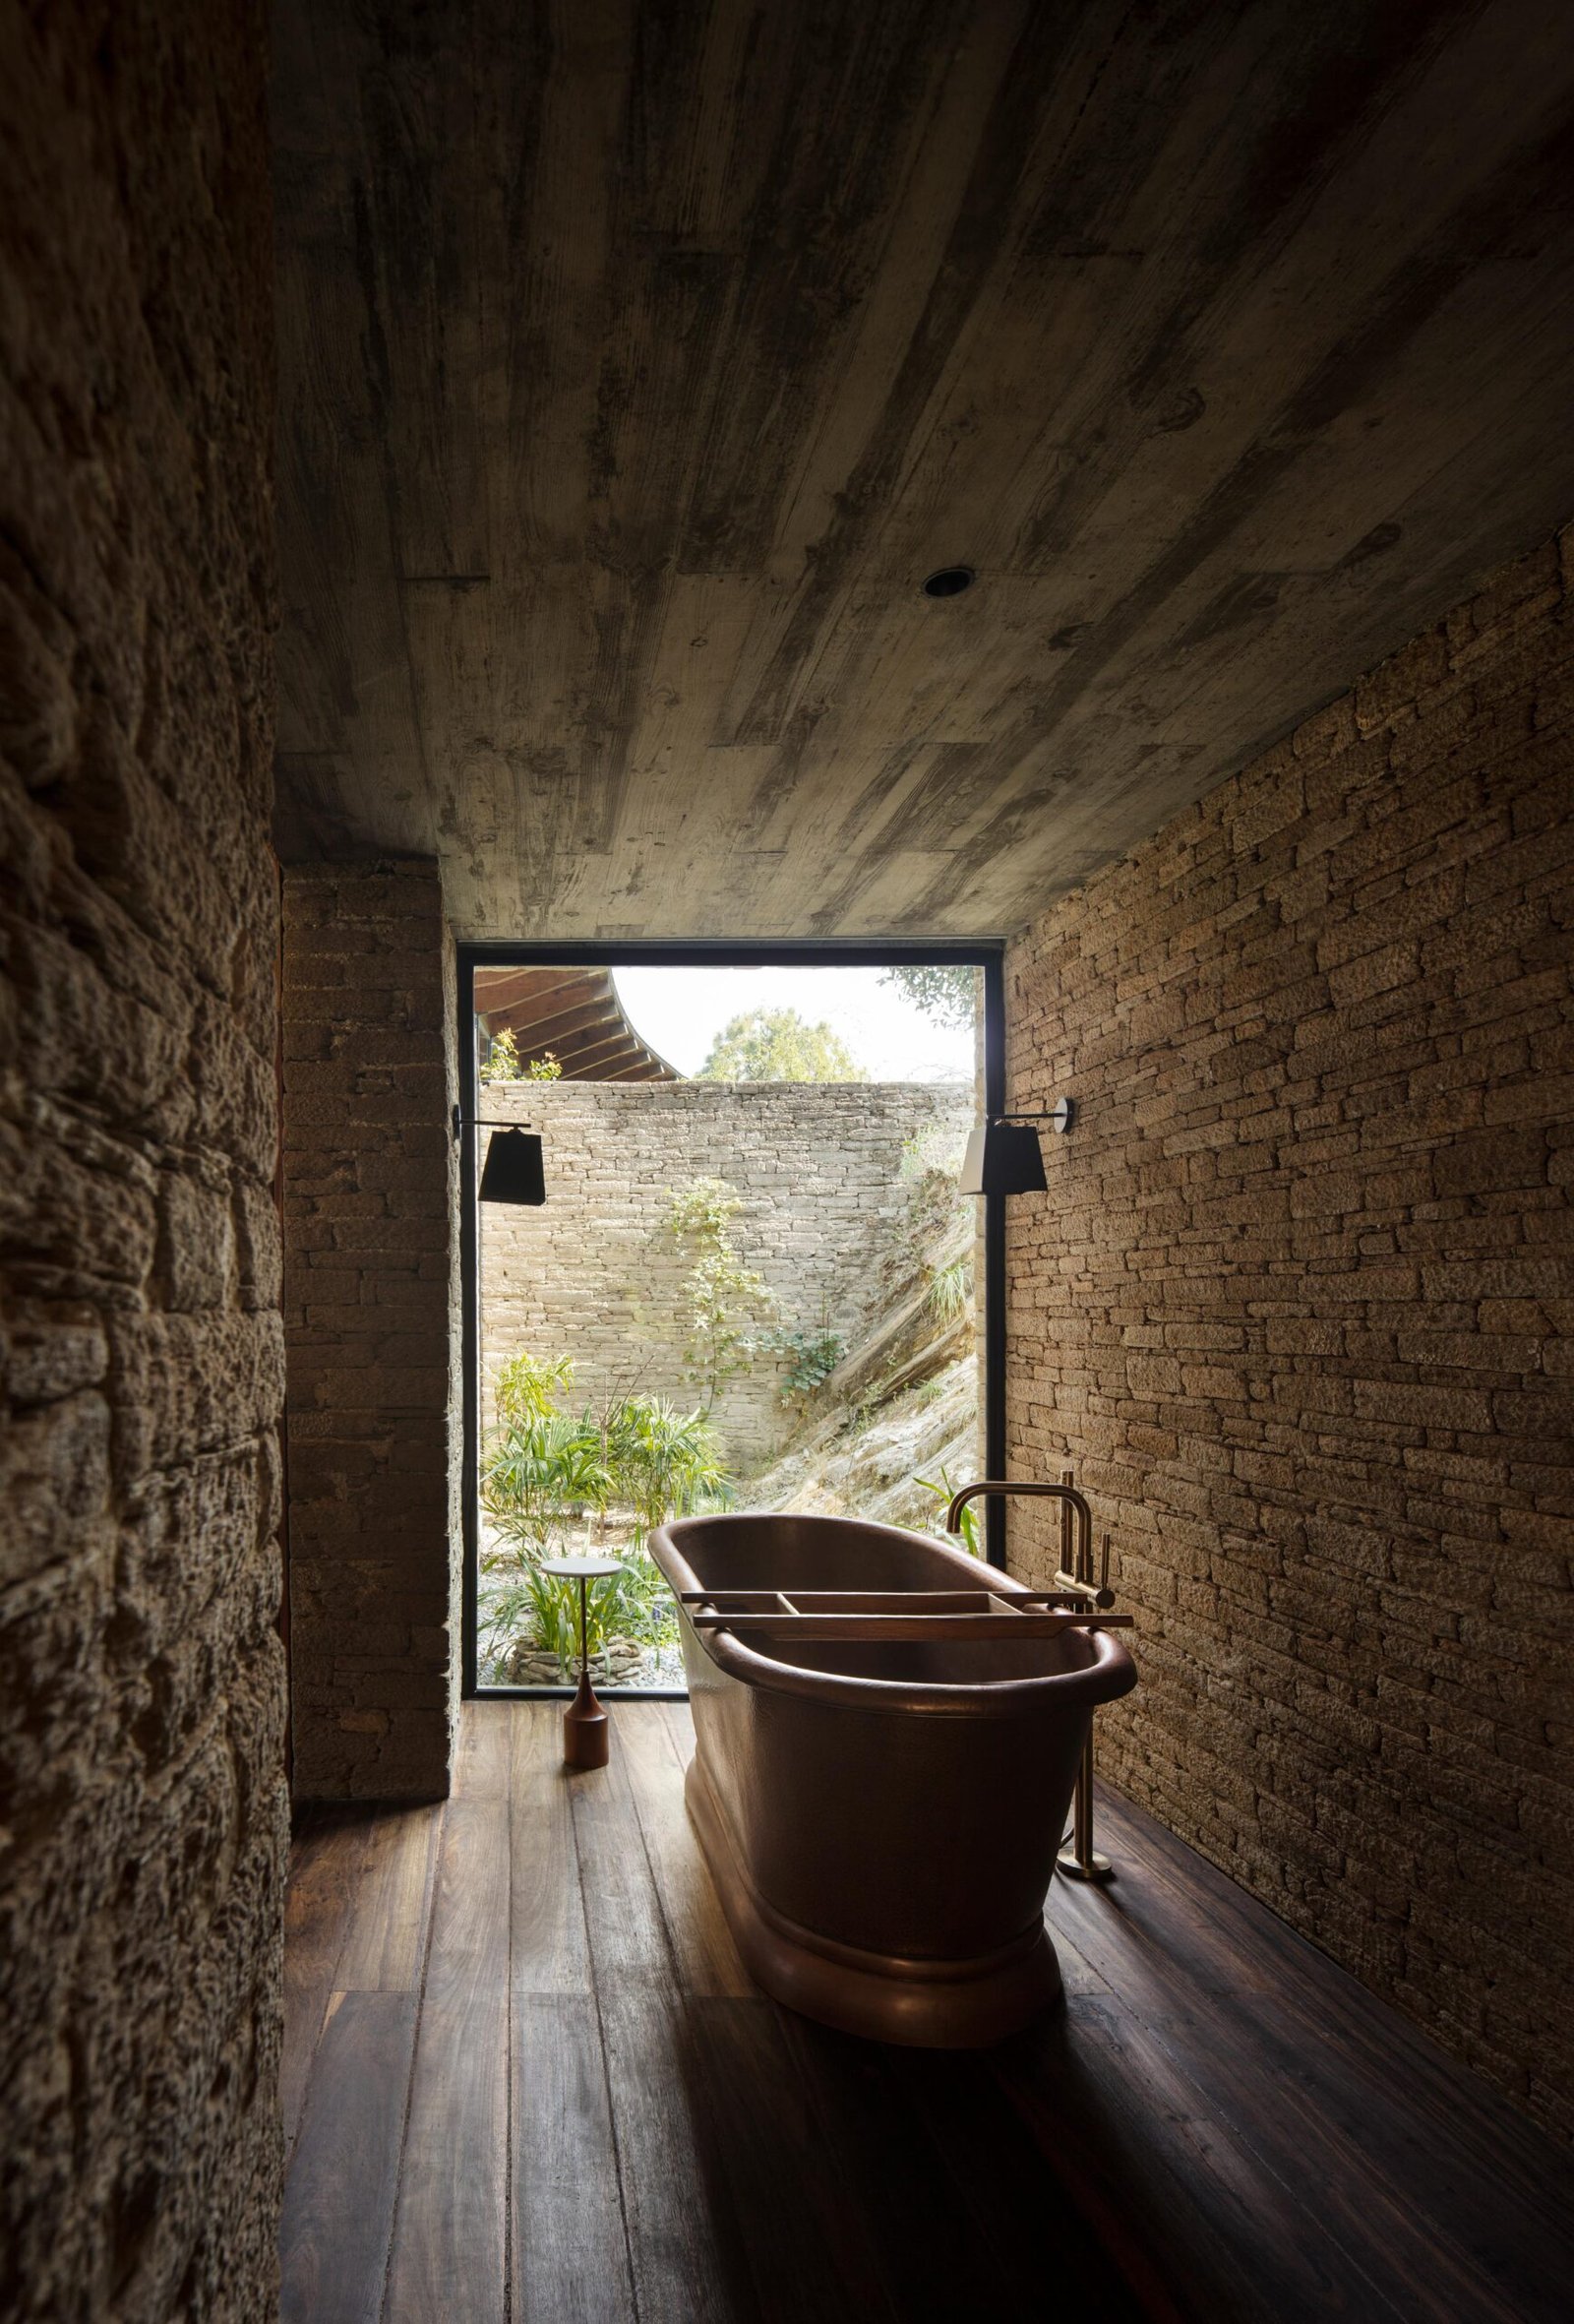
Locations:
column 639, row 362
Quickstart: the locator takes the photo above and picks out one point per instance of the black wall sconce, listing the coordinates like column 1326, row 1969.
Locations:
column 515, row 1170
column 1003, row 1156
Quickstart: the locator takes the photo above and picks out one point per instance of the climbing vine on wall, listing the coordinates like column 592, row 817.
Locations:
column 725, row 1306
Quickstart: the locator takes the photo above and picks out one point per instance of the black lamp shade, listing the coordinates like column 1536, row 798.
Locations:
column 1002, row 1158
column 513, row 1170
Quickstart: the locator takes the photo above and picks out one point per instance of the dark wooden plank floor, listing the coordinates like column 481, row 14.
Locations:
column 528, row 2082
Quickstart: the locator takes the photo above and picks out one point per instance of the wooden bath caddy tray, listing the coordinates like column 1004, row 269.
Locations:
column 890, row 1618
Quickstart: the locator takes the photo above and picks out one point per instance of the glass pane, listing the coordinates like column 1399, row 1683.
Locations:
column 753, row 1282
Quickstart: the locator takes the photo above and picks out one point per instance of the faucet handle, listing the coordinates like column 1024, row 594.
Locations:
column 1104, row 1567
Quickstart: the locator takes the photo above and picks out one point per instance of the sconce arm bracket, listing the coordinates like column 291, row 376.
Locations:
column 1062, row 1114
column 480, row 1122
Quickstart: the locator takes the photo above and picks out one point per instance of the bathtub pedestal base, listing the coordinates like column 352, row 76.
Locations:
column 1097, row 1868
column 921, row 2005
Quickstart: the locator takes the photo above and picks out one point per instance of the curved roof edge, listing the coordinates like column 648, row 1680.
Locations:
column 573, row 1014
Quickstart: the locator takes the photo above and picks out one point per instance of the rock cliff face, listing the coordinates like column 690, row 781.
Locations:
column 141, row 1675
column 904, row 1404
column 870, row 1467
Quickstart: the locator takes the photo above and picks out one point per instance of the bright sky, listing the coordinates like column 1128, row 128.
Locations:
column 681, row 1011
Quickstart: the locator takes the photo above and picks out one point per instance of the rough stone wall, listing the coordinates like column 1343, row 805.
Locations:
column 1299, row 1308
column 370, row 1210
column 818, row 1168
column 143, row 1831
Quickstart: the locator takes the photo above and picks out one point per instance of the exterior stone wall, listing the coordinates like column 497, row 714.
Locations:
column 818, row 1169
column 371, row 1206
column 1299, row 1310
column 141, row 1699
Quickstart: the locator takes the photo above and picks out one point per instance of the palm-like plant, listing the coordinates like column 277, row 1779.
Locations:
column 547, row 1610
column 663, row 1462
column 544, row 1468
column 538, row 1474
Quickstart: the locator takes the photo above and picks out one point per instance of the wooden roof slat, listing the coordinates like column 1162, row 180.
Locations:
column 522, row 1021
column 616, row 1044
column 575, row 1014
column 501, row 988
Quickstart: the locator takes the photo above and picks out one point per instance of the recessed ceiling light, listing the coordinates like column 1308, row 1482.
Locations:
column 950, row 580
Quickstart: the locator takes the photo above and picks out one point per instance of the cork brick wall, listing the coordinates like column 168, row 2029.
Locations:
column 1299, row 1310
column 818, row 1168
column 144, row 1823
column 371, row 1304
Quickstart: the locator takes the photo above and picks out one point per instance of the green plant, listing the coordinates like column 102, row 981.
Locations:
column 643, row 1603
column 546, row 1609
column 944, row 1488
column 634, row 1602
column 722, row 1300
column 937, row 1233
column 526, row 1390
column 545, row 1068
column 540, row 1467
column 949, row 1289
column 778, row 1045
column 810, row 1357
column 663, row 1462
column 502, row 1059
column 543, row 1468
column 700, row 1215
column 722, row 1297
column 537, row 1474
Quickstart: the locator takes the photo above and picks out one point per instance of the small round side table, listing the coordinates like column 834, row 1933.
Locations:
column 586, row 1740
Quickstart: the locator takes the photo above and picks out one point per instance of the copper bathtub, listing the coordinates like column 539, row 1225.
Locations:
column 881, row 1820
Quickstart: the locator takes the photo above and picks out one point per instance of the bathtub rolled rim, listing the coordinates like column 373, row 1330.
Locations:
column 1111, row 1673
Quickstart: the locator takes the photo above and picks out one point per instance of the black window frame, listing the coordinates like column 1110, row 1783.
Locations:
column 987, row 955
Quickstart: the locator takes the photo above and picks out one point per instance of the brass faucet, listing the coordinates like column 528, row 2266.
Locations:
column 1082, row 1860
column 1079, row 1579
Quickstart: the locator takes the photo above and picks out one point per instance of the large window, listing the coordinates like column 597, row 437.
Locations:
column 752, row 1281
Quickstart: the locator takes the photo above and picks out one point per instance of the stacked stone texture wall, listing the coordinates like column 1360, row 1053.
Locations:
column 1299, row 1310
column 825, row 1220
column 143, row 1830
column 371, row 1210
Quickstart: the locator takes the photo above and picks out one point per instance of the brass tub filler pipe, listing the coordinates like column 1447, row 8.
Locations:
column 1073, row 1579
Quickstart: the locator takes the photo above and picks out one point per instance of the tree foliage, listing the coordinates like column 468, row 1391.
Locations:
column 943, row 990
column 779, row 1044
